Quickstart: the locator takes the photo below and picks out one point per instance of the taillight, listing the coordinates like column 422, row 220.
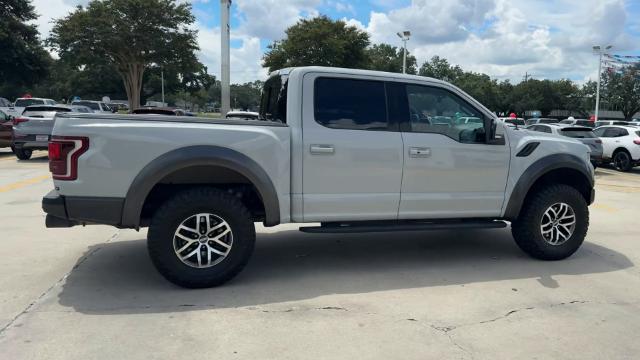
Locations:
column 64, row 152
column 598, row 141
column 19, row 120
column 636, row 141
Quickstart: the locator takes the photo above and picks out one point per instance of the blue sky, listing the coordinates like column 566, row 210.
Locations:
column 503, row 38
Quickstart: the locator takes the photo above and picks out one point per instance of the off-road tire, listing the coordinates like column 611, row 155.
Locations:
column 184, row 204
column 526, row 229
column 23, row 154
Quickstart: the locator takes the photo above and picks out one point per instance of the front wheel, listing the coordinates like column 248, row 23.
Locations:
column 23, row 154
column 553, row 223
column 201, row 238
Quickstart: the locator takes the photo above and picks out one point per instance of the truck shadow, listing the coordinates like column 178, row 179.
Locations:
column 118, row 277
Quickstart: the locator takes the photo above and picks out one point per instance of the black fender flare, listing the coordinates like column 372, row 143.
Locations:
column 538, row 169
column 200, row 155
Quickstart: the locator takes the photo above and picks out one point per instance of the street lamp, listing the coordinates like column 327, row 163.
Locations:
column 405, row 35
column 598, row 50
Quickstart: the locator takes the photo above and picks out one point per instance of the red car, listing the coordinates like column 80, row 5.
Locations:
column 6, row 130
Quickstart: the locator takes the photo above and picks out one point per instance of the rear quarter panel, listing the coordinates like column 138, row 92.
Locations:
column 120, row 149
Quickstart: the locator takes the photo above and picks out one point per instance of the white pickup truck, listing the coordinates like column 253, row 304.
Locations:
column 357, row 151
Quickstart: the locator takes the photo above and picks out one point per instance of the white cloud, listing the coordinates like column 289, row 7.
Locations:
column 268, row 19
column 245, row 61
column 503, row 38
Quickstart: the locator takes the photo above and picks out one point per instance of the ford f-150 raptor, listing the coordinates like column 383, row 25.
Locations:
column 353, row 150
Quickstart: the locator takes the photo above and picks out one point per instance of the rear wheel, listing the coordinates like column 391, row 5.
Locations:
column 622, row 161
column 23, row 154
column 201, row 238
column 552, row 224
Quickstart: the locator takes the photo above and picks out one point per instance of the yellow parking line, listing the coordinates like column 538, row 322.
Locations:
column 618, row 173
column 23, row 183
column 604, row 207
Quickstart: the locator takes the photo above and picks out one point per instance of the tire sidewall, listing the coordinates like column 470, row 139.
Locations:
column 161, row 235
column 545, row 200
column 628, row 161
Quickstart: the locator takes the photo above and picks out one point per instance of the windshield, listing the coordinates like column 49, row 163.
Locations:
column 566, row 122
column 28, row 102
column 578, row 133
column 89, row 104
column 273, row 104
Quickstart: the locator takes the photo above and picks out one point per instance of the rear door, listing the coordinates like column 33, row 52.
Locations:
column 449, row 171
column 608, row 136
column 352, row 153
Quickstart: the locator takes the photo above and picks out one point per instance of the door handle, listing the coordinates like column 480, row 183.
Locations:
column 322, row 149
column 419, row 152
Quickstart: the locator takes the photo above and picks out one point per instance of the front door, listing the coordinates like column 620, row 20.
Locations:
column 352, row 154
column 449, row 171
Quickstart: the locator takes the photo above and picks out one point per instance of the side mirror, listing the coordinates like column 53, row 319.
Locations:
column 495, row 133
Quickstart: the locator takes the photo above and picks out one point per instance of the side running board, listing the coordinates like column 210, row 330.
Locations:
column 388, row 226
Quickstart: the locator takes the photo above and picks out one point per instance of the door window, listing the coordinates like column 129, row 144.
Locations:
column 435, row 110
column 350, row 104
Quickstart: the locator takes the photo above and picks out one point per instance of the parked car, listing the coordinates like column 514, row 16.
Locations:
column 6, row 130
column 119, row 105
column 582, row 134
column 542, row 121
column 96, row 106
column 610, row 122
column 248, row 115
column 21, row 103
column 514, row 122
column 338, row 147
column 5, row 103
column 621, row 145
column 580, row 122
column 159, row 111
column 32, row 130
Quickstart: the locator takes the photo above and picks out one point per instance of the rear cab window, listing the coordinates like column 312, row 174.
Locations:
column 273, row 103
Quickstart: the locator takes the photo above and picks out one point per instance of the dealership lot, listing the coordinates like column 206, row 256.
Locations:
column 92, row 293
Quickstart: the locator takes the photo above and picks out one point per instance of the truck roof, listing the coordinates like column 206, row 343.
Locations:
column 335, row 70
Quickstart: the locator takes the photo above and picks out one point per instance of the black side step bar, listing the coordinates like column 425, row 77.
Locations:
column 387, row 226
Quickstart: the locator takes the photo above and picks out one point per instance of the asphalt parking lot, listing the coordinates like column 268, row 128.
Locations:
column 92, row 293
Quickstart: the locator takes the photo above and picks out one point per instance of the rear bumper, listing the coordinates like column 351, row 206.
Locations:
column 63, row 211
column 33, row 145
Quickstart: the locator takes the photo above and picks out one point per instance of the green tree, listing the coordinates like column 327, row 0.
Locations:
column 439, row 68
column 320, row 41
column 246, row 96
column 621, row 90
column 130, row 35
column 23, row 60
column 385, row 57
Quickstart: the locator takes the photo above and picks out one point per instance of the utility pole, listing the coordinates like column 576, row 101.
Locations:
column 597, row 50
column 526, row 76
column 405, row 35
column 225, row 77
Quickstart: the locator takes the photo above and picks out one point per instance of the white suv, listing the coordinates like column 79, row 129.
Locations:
column 621, row 145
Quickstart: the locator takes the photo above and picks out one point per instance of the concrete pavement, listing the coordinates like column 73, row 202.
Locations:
column 92, row 293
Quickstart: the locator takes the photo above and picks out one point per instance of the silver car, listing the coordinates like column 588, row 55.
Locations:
column 32, row 130
column 581, row 133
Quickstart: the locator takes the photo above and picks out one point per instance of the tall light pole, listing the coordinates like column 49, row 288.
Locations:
column 225, row 76
column 405, row 35
column 598, row 50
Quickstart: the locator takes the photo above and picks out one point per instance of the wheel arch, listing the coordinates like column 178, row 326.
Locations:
column 558, row 168
column 222, row 161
